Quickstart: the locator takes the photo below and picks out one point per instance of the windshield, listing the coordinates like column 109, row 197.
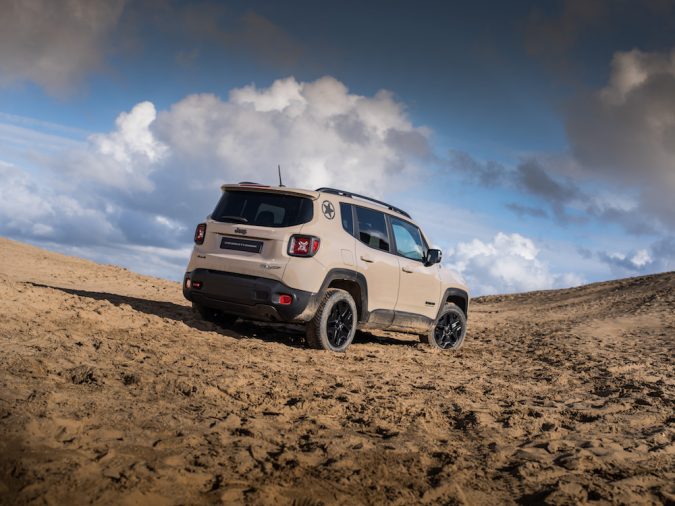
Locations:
column 263, row 209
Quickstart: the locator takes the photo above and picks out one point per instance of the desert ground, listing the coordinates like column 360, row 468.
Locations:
column 112, row 392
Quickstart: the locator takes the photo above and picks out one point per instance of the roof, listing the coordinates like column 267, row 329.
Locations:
column 346, row 196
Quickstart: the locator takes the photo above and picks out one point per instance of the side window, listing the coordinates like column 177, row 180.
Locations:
column 372, row 228
column 408, row 239
column 347, row 218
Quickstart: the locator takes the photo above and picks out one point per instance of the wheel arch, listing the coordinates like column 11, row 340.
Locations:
column 352, row 282
column 456, row 296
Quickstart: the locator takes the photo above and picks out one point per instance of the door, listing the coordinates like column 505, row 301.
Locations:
column 251, row 229
column 419, row 286
column 375, row 260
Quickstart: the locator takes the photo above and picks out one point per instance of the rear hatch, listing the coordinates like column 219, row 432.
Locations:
column 249, row 230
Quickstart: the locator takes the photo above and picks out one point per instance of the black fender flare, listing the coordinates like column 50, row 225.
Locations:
column 340, row 274
column 455, row 292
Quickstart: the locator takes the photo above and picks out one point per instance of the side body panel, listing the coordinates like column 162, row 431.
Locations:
column 336, row 250
column 419, row 290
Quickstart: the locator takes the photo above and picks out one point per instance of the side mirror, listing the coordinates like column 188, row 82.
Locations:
column 433, row 257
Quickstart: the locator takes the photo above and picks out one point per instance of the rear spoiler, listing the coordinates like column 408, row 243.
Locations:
column 270, row 189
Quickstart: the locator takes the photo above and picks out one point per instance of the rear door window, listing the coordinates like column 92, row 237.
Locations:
column 372, row 227
column 263, row 209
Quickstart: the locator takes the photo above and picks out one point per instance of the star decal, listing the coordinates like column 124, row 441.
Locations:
column 328, row 210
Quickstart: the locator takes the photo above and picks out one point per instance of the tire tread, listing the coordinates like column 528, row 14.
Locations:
column 313, row 327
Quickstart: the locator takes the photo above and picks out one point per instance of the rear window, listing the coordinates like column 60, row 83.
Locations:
column 262, row 209
column 372, row 228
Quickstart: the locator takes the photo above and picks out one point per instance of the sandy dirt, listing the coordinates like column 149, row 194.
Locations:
column 111, row 392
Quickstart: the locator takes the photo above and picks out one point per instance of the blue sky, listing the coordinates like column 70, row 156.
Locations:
column 534, row 141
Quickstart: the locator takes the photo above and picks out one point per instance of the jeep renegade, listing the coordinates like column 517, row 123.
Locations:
column 330, row 259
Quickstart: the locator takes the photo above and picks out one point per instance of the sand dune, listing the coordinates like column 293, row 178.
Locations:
column 113, row 393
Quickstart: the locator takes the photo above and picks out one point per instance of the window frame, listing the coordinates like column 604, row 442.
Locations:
column 393, row 250
column 357, row 228
column 425, row 246
column 350, row 207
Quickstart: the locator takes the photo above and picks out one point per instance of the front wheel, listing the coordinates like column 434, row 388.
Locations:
column 449, row 330
column 334, row 323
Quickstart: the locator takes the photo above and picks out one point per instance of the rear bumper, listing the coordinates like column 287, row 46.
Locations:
column 250, row 297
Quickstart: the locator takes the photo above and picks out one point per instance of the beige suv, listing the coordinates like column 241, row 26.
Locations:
column 331, row 259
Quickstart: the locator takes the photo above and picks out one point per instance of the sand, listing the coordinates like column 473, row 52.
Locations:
column 111, row 392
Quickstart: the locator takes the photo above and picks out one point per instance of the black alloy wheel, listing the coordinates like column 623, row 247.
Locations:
column 449, row 330
column 334, row 323
column 339, row 324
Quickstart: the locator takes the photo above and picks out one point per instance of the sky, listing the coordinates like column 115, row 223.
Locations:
column 534, row 141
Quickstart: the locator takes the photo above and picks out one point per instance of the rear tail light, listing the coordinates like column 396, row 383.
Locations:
column 303, row 246
column 200, row 233
column 285, row 299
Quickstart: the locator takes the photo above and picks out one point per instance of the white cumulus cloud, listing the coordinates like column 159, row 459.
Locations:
column 625, row 131
column 509, row 263
column 146, row 183
column 319, row 132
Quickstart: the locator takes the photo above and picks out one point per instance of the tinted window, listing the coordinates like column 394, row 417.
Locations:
column 347, row 218
column 408, row 239
column 263, row 209
column 372, row 228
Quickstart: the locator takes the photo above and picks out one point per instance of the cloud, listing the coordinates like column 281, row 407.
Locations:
column 522, row 211
column 156, row 174
column 558, row 35
column 54, row 44
column 658, row 257
column 123, row 158
column 531, row 177
column 488, row 173
column 554, row 35
column 249, row 33
column 508, row 263
column 625, row 131
column 318, row 132
column 29, row 210
column 634, row 261
column 564, row 187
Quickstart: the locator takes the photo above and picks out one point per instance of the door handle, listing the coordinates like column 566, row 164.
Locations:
column 406, row 269
column 366, row 259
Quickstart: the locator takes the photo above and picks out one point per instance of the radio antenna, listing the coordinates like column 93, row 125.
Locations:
column 280, row 183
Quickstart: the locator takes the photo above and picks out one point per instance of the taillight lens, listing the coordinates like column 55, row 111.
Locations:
column 200, row 233
column 303, row 246
column 285, row 299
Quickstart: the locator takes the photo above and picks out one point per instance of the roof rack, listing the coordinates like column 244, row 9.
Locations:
column 352, row 195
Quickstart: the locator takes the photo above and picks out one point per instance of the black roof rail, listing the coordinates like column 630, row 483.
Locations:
column 344, row 193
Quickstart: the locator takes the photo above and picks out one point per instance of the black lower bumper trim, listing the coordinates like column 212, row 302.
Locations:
column 246, row 296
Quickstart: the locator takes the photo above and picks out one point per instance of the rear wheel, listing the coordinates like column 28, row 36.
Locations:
column 334, row 323
column 213, row 315
column 449, row 330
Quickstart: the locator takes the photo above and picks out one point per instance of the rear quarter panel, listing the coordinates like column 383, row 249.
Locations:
column 335, row 252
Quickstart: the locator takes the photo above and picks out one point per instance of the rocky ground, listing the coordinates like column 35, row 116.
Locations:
column 111, row 392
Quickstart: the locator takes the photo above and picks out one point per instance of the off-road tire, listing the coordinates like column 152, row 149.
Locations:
column 317, row 330
column 213, row 315
column 453, row 340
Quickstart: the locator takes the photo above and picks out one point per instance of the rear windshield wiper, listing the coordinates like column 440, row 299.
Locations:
column 234, row 219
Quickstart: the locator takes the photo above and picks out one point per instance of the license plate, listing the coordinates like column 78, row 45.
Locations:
column 237, row 244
